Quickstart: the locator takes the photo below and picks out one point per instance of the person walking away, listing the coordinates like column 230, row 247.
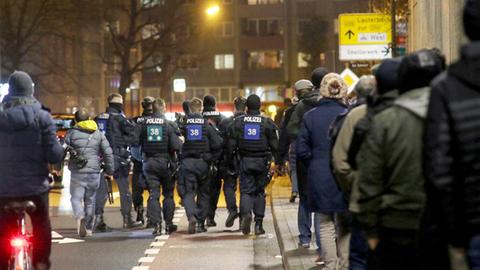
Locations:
column 451, row 157
column 229, row 165
column 201, row 142
column 255, row 139
column 391, row 185
column 119, row 132
column 28, row 142
column 214, row 118
column 88, row 148
column 138, row 179
column 160, row 142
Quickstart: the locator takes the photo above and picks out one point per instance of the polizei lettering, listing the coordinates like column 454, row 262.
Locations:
column 211, row 113
column 195, row 121
column 253, row 119
column 155, row 121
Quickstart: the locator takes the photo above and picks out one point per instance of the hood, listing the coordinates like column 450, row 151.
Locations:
column 18, row 113
column 415, row 101
column 468, row 67
column 87, row 125
column 311, row 98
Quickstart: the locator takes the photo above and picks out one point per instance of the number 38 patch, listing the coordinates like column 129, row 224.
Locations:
column 194, row 132
column 155, row 133
column 251, row 132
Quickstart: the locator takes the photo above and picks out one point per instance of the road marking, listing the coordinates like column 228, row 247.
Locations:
column 69, row 241
column 146, row 259
column 152, row 251
column 179, row 215
column 180, row 210
column 162, row 237
column 56, row 235
column 157, row 244
column 140, row 268
column 175, row 220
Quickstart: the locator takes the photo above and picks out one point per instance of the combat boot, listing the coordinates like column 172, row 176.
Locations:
column 128, row 222
column 231, row 219
column 140, row 212
column 200, row 227
column 211, row 222
column 259, row 228
column 192, row 223
column 246, row 224
column 157, row 229
column 100, row 225
column 171, row 229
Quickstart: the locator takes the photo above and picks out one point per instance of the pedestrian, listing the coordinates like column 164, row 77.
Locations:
column 451, row 157
column 88, row 148
column 287, row 103
column 202, row 141
column 254, row 138
column 120, row 134
column 324, row 197
column 214, row 118
column 229, row 165
column 160, row 142
column 28, row 142
column 345, row 175
column 390, row 181
column 138, row 179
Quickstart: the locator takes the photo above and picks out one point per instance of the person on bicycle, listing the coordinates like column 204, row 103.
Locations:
column 28, row 142
column 88, row 147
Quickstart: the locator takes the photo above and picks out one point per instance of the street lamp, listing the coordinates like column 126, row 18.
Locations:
column 213, row 10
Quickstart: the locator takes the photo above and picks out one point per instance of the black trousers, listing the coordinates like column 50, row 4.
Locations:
column 253, row 180
column 396, row 250
column 138, row 184
column 196, row 188
column 42, row 236
column 229, row 189
column 158, row 176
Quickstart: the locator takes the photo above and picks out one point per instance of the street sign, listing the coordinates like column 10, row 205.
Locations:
column 364, row 36
column 350, row 78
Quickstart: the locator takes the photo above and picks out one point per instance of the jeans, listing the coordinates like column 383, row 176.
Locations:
column 334, row 239
column 358, row 248
column 304, row 221
column 83, row 188
column 292, row 163
column 474, row 253
column 42, row 237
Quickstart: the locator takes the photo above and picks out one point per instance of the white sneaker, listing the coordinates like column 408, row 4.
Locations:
column 89, row 232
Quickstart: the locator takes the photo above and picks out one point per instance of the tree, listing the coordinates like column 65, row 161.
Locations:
column 145, row 35
column 385, row 6
column 313, row 41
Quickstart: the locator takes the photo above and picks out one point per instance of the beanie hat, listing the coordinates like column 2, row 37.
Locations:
column 209, row 103
column 387, row 75
column 253, row 103
column 471, row 19
column 303, row 85
column 365, row 86
column 147, row 101
column 317, row 76
column 115, row 98
column 333, row 86
column 419, row 69
column 20, row 84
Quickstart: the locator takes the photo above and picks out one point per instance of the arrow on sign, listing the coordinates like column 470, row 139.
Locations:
column 386, row 51
column 349, row 34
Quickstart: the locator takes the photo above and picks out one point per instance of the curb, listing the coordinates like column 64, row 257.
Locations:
column 278, row 233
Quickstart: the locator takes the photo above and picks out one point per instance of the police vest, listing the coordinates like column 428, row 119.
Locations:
column 113, row 132
column 195, row 137
column 102, row 122
column 155, row 139
column 214, row 115
column 252, row 135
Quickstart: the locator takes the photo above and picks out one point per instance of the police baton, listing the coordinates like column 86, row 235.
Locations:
column 108, row 181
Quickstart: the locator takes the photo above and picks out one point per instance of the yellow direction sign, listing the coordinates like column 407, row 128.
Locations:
column 364, row 36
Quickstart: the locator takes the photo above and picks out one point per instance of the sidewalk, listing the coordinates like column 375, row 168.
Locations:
column 285, row 222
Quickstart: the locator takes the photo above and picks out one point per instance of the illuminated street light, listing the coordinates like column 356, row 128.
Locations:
column 213, row 10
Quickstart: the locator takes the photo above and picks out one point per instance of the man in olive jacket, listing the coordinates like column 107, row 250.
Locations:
column 391, row 194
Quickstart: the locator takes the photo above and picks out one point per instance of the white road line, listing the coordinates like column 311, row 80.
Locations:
column 56, row 235
column 152, row 251
column 180, row 210
column 157, row 244
column 140, row 268
column 179, row 215
column 175, row 220
column 146, row 259
column 162, row 237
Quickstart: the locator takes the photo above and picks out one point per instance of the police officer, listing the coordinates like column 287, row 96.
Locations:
column 160, row 141
column 201, row 141
column 228, row 166
column 214, row 117
column 120, row 134
column 255, row 139
column 138, row 179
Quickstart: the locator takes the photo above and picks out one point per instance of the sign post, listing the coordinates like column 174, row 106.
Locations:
column 365, row 36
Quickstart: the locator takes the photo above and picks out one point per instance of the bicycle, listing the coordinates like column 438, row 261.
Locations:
column 20, row 241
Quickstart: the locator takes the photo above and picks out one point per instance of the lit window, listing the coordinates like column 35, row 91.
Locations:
column 303, row 59
column 224, row 61
column 271, row 59
column 264, row 2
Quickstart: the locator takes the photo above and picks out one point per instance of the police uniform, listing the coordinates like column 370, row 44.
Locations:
column 120, row 134
column 255, row 139
column 214, row 117
column 229, row 171
column 201, row 141
column 160, row 141
column 138, row 179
